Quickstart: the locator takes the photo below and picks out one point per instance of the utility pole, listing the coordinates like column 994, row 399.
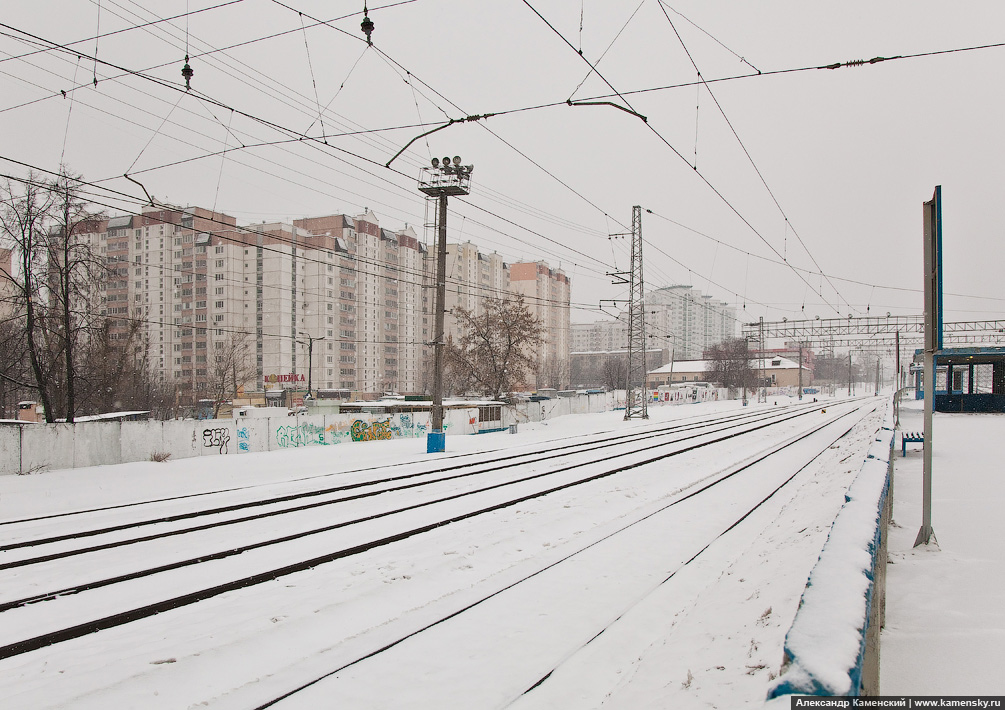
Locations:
column 440, row 181
column 877, row 376
column 896, row 387
column 932, row 250
column 849, row 372
column 310, row 360
column 762, row 393
column 635, row 384
column 800, row 370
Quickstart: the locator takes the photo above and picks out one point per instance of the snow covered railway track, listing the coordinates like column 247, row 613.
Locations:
column 38, row 614
column 544, row 629
column 39, row 531
column 71, row 542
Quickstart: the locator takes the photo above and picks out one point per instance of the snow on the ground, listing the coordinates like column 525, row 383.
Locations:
column 945, row 605
column 712, row 637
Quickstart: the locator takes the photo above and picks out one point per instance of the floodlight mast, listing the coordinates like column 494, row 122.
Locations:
column 441, row 181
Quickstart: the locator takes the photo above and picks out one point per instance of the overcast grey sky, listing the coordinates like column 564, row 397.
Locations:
column 826, row 171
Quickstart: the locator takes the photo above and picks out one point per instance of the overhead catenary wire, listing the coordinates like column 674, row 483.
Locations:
column 357, row 156
column 746, row 152
column 663, row 139
column 783, row 257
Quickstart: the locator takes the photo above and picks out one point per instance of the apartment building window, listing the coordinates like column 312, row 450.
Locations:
column 219, row 250
column 219, row 304
column 219, row 263
column 219, row 277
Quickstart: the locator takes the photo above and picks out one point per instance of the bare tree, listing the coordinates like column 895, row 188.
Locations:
column 554, row 373
column 15, row 375
column 74, row 269
column 232, row 367
column 497, row 348
column 729, row 364
column 24, row 210
column 614, row 371
column 117, row 377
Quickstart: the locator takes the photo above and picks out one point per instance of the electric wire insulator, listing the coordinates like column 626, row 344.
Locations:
column 187, row 73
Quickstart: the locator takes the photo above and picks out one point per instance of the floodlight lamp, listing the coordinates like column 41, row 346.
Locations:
column 436, row 162
column 446, row 162
column 457, row 160
column 469, row 169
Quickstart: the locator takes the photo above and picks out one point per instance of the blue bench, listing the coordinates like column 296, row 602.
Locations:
column 916, row 437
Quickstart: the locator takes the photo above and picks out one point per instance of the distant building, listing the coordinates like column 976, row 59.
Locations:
column 183, row 284
column 680, row 319
column 546, row 293
column 777, row 372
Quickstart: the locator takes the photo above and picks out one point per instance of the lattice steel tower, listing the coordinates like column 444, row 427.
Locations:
column 635, row 383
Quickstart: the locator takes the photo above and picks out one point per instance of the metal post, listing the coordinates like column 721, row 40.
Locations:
column 877, row 376
column 932, row 219
column 898, row 384
column 762, row 393
column 800, row 370
column 849, row 372
column 436, row 414
column 310, row 363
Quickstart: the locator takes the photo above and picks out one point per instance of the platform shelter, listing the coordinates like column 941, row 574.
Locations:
column 966, row 379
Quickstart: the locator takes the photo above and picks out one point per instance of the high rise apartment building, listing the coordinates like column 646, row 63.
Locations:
column 546, row 293
column 679, row 319
column 471, row 277
column 336, row 300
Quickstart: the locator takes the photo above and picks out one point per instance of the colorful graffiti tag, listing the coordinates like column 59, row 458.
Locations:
column 375, row 431
column 397, row 426
column 300, row 435
column 243, row 439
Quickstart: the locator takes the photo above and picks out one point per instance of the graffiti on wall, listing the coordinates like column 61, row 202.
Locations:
column 216, row 438
column 296, row 435
column 397, row 426
column 243, row 439
column 372, row 431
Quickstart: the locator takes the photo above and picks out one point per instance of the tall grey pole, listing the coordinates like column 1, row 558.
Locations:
column 849, row 372
column 897, row 384
column 762, row 393
column 310, row 364
column 932, row 217
column 800, row 370
column 436, row 415
column 877, row 376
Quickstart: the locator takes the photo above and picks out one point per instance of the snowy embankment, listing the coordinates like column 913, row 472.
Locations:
column 832, row 647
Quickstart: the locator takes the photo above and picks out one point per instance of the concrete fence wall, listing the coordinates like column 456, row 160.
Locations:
column 40, row 447
column 832, row 647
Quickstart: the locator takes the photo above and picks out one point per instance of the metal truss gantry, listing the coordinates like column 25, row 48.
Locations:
column 875, row 330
